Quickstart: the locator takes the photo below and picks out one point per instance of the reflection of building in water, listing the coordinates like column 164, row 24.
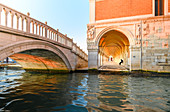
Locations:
column 78, row 89
column 145, row 93
column 113, row 93
column 93, row 91
column 107, row 93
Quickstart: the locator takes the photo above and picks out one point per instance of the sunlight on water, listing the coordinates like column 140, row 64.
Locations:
column 82, row 92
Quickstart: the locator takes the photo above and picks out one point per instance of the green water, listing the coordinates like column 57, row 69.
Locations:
column 82, row 92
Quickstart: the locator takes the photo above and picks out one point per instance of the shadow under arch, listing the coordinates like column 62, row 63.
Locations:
column 26, row 45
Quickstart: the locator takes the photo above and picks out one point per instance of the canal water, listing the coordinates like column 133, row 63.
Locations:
column 82, row 92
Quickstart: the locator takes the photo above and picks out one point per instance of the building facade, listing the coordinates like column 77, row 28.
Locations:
column 136, row 31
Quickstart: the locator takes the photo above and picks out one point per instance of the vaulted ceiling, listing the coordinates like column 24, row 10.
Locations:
column 113, row 43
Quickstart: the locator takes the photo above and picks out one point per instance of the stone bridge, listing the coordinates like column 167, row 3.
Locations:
column 35, row 45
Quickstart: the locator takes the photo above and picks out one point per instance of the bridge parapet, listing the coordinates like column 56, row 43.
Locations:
column 10, row 18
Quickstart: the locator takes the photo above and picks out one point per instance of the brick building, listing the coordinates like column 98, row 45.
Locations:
column 118, row 27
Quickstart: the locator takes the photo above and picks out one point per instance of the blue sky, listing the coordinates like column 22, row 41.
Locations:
column 69, row 16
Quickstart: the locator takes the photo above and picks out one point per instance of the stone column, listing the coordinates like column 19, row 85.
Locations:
column 93, row 58
column 135, row 58
column 130, row 58
column 99, row 59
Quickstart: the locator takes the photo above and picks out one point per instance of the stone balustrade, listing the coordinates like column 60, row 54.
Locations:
column 25, row 24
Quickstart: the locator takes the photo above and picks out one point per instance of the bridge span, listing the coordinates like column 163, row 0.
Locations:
column 35, row 45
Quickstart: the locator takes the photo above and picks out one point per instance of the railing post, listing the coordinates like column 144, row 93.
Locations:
column 22, row 23
column 39, row 29
column 33, row 27
column 28, row 23
column 0, row 14
column 17, row 22
column 12, row 20
column 45, row 29
column 72, row 44
column 49, row 33
column 6, row 18
column 42, row 31
column 46, row 32
column 36, row 28
column 65, row 39
column 57, row 34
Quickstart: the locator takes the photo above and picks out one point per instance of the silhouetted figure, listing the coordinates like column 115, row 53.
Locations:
column 7, row 60
column 121, row 61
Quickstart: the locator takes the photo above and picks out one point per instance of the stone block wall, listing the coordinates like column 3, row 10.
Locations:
column 169, row 6
column 155, row 46
column 81, row 63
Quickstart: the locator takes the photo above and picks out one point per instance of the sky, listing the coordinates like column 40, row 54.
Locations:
column 69, row 16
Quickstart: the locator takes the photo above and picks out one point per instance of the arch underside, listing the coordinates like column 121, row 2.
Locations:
column 39, row 59
column 114, row 44
column 36, row 55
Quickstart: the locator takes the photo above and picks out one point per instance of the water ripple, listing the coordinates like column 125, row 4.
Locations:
column 82, row 92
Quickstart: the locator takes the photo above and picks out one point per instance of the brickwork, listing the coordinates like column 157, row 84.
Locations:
column 154, row 30
column 169, row 6
column 109, row 9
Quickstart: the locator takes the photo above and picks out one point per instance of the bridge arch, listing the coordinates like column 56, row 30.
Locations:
column 26, row 45
column 114, row 41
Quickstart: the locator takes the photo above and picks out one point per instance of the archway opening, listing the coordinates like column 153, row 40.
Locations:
column 40, row 60
column 113, row 47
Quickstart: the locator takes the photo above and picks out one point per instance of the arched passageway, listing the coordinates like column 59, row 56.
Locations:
column 113, row 46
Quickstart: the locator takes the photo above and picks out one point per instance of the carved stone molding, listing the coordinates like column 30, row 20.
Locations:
column 90, row 31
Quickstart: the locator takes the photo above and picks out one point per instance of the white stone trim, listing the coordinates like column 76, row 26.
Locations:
column 125, row 18
column 92, row 5
column 153, row 7
column 166, row 7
